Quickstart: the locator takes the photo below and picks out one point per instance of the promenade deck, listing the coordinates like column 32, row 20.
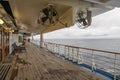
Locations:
column 38, row 64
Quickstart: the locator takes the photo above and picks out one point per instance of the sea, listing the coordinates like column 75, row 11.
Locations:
column 112, row 45
column 101, row 44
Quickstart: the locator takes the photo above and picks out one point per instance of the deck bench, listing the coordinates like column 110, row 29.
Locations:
column 4, row 68
column 18, row 48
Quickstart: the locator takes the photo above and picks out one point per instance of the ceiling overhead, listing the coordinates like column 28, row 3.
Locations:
column 26, row 12
column 6, row 18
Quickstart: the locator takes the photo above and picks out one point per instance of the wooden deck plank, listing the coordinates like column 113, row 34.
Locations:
column 38, row 64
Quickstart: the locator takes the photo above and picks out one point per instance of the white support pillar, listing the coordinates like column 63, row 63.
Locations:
column 41, row 40
column 32, row 37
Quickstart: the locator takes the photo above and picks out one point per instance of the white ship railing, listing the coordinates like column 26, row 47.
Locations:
column 101, row 61
column 105, row 62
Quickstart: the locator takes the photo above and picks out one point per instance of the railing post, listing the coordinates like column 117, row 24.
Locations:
column 115, row 60
column 65, row 51
column 52, row 47
column 55, row 48
column 59, row 49
column 93, row 61
column 79, row 57
column 49, row 47
column 46, row 46
column 73, row 54
column 68, row 54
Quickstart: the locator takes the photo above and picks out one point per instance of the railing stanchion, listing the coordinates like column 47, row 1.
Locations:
column 93, row 61
column 52, row 47
column 80, row 60
column 78, row 55
column 73, row 54
column 68, row 54
column 49, row 46
column 115, row 60
column 58, row 49
column 65, row 51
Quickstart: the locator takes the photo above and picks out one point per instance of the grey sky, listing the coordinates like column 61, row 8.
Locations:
column 106, row 25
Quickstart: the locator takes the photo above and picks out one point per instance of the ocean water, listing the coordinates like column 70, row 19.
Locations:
column 101, row 44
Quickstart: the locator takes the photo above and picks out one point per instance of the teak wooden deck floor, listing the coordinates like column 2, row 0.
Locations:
column 38, row 64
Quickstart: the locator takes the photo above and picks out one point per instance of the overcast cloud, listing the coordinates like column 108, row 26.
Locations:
column 106, row 25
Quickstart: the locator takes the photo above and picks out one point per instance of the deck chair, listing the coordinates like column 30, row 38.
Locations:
column 18, row 48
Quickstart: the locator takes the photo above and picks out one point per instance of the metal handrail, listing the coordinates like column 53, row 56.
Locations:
column 86, row 48
column 91, row 57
